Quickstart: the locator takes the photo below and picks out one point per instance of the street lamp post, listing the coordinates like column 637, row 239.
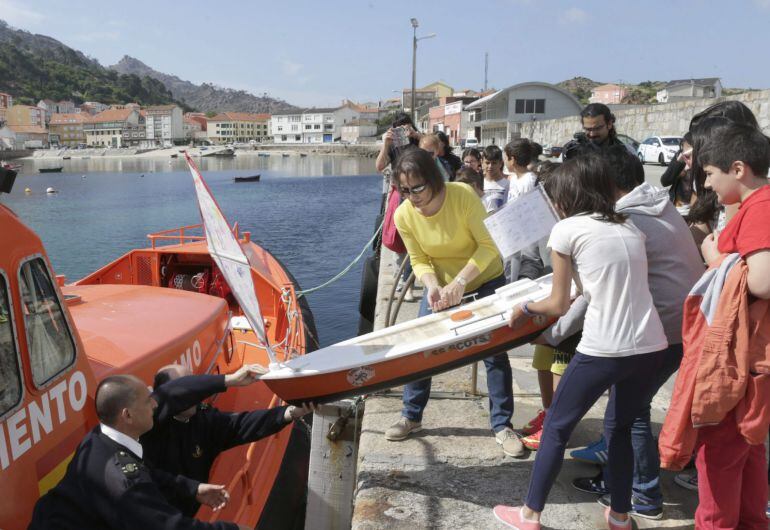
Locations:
column 415, row 24
column 414, row 63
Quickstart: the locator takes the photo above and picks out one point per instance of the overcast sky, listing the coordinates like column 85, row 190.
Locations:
column 312, row 52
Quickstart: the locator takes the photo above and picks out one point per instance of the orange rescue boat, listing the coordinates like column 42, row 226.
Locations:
column 167, row 303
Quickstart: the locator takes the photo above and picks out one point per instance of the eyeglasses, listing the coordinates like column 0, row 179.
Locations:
column 595, row 129
column 414, row 190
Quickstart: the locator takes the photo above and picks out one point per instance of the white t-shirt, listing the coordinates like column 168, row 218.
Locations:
column 521, row 185
column 610, row 263
column 495, row 194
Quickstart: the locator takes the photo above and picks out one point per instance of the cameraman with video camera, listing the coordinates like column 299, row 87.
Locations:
column 598, row 131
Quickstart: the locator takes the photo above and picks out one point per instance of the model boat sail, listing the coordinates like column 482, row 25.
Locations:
column 411, row 350
column 229, row 257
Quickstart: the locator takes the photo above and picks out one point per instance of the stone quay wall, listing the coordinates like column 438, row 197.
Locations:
column 643, row 121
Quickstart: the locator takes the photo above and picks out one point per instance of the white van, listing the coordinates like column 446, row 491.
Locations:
column 471, row 142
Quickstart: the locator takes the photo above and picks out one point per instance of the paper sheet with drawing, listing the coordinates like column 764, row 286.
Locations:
column 522, row 222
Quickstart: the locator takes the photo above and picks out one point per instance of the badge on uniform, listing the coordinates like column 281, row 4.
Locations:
column 128, row 466
column 197, row 452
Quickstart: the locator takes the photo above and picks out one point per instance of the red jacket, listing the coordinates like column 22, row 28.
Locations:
column 726, row 363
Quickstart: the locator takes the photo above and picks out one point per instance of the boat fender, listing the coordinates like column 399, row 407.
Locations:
column 368, row 297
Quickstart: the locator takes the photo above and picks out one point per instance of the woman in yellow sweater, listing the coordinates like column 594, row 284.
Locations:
column 452, row 253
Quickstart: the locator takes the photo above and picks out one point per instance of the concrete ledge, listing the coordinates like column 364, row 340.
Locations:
column 452, row 473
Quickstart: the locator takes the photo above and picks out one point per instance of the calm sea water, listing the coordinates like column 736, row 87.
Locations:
column 315, row 214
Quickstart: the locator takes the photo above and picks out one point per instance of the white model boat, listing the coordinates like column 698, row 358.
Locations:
column 411, row 350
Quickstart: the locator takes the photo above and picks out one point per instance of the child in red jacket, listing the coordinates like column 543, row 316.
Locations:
column 732, row 483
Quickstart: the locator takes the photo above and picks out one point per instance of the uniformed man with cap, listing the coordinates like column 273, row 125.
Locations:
column 107, row 484
column 187, row 444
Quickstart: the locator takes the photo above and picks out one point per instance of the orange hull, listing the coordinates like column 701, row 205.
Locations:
column 329, row 386
column 123, row 318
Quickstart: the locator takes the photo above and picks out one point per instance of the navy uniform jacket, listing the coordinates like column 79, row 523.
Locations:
column 106, row 486
column 187, row 450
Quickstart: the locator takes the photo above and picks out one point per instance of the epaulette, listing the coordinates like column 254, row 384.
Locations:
column 127, row 464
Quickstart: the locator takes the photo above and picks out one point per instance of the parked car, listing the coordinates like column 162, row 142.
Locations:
column 660, row 149
column 631, row 144
column 471, row 142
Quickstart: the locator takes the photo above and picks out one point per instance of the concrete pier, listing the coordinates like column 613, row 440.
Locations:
column 452, row 473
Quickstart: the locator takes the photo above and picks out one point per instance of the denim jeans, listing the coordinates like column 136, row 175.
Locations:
column 583, row 383
column 499, row 377
column 646, row 458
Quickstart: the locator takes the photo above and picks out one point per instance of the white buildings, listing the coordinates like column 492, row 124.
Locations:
column 241, row 127
column 164, row 125
column 679, row 89
column 311, row 126
column 496, row 119
column 107, row 128
column 357, row 131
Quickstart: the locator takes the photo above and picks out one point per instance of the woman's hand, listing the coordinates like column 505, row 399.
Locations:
column 710, row 249
column 451, row 294
column 387, row 138
column 434, row 298
column 518, row 318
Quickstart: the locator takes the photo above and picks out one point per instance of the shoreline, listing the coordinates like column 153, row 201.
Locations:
column 292, row 150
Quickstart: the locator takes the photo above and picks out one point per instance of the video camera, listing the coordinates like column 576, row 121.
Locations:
column 579, row 144
column 7, row 178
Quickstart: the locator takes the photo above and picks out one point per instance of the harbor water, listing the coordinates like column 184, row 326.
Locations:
column 314, row 213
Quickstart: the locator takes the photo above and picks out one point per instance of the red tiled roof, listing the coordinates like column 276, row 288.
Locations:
column 112, row 115
column 29, row 129
column 62, row 119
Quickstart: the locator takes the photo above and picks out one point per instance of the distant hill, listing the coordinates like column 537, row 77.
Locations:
column 35, row 67
column 638, row 94
column 205, row 97
column 580, row 87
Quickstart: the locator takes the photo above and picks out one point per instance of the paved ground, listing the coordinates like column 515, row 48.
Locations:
column 452, row 473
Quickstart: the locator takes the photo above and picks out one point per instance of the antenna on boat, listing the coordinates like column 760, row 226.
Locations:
column 229, row 257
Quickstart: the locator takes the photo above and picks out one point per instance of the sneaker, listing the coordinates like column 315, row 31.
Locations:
column 638, row 507
column 616, row 525
column 408, row 295
column 532, row 441
column 511, row 516
column 687, row 480
column 595, row 453
column 401, row 429
column 535, row 424
column 512, row 446
column 593, row 485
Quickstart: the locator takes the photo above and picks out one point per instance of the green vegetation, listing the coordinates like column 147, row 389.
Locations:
column 61, row 73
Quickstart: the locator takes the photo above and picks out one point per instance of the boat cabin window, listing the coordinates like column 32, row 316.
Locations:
column 10, row 376
column 51, row 347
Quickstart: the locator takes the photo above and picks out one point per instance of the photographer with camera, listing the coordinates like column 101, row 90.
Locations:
column 598, row 131
column 401, row 136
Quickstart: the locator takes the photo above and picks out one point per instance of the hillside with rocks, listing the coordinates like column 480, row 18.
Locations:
column 35, row 67
column 206, row 97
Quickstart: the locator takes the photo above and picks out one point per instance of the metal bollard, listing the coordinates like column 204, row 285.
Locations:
column 333, row 457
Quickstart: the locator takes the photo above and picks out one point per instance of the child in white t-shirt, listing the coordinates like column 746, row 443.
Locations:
column 495, row 183
column 623, row 341
column 519, row 154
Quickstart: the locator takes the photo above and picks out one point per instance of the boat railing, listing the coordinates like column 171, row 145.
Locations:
column 182, row 235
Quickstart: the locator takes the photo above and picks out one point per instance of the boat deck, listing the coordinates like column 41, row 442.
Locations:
column 123, row 326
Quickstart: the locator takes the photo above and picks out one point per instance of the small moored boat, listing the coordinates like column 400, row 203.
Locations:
column 411, row 350
column 50, row 169
column 253, row 178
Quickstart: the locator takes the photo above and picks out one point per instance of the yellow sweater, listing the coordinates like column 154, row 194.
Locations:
column 447, row 241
